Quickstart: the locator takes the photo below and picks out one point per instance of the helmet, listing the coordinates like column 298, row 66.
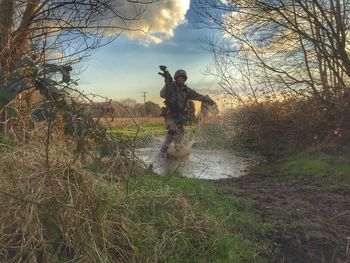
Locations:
column 179, row 73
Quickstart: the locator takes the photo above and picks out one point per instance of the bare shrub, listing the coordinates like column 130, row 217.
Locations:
column 289, row 125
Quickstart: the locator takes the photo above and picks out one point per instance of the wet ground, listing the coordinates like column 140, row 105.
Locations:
column 311, row 219
column 195, row 162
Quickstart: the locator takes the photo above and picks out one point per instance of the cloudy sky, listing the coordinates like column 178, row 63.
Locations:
column 129, row 66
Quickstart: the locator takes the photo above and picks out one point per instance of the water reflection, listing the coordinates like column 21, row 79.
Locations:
column 200, row 163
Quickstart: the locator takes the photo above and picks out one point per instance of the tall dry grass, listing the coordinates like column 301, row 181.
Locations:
column 45, row 210
column 64, row 213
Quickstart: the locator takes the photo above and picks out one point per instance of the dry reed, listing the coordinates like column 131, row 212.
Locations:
column 67, row 214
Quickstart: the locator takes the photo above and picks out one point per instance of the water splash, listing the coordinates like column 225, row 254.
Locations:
column 181, row 151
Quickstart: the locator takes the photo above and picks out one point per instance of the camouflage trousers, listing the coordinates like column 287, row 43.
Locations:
column 175, row 133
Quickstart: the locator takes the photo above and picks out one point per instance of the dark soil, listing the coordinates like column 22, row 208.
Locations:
column 311, row 219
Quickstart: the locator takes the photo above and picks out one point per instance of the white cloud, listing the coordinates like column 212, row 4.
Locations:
column 157, row 22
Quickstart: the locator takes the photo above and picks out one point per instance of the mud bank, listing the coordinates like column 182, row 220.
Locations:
column 312, row 219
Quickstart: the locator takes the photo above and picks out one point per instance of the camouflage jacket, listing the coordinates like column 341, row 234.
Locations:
column 177, row 98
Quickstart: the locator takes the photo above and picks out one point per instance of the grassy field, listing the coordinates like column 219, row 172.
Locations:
column 120, row 122
column 214, row 134
column 141, row 128
column 83, row 213
column 234, row 233
column 97, row 211
column 317, row 166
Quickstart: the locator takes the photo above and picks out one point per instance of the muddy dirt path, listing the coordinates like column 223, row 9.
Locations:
column 313, row 220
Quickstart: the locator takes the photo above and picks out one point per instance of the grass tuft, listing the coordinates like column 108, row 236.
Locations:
column 317, row 165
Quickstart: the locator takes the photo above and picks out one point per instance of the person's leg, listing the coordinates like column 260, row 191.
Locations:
column 171, row 134
column 180, row 132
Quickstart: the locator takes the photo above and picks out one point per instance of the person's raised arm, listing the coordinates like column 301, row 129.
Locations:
column 168, row 79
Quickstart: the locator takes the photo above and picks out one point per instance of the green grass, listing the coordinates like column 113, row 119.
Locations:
column 235, row 234
column 307, row 165
column 143, row 133
column 145, row 129
column 318, row 167
column 214, row 135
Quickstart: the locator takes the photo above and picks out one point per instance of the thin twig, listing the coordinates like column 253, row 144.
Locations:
column 339, row 215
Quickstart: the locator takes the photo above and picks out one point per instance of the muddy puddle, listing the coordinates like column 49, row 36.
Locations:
column 199, row 163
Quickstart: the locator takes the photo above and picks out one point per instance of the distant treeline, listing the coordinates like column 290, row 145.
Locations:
column 124, row 108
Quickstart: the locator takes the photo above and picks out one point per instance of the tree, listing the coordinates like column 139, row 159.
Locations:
column 40, row 38
column 128, row 102
column 67, row 29
column 152, row 109
column 280, row 48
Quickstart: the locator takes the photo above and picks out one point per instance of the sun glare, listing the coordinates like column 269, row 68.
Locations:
column 185, row 4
